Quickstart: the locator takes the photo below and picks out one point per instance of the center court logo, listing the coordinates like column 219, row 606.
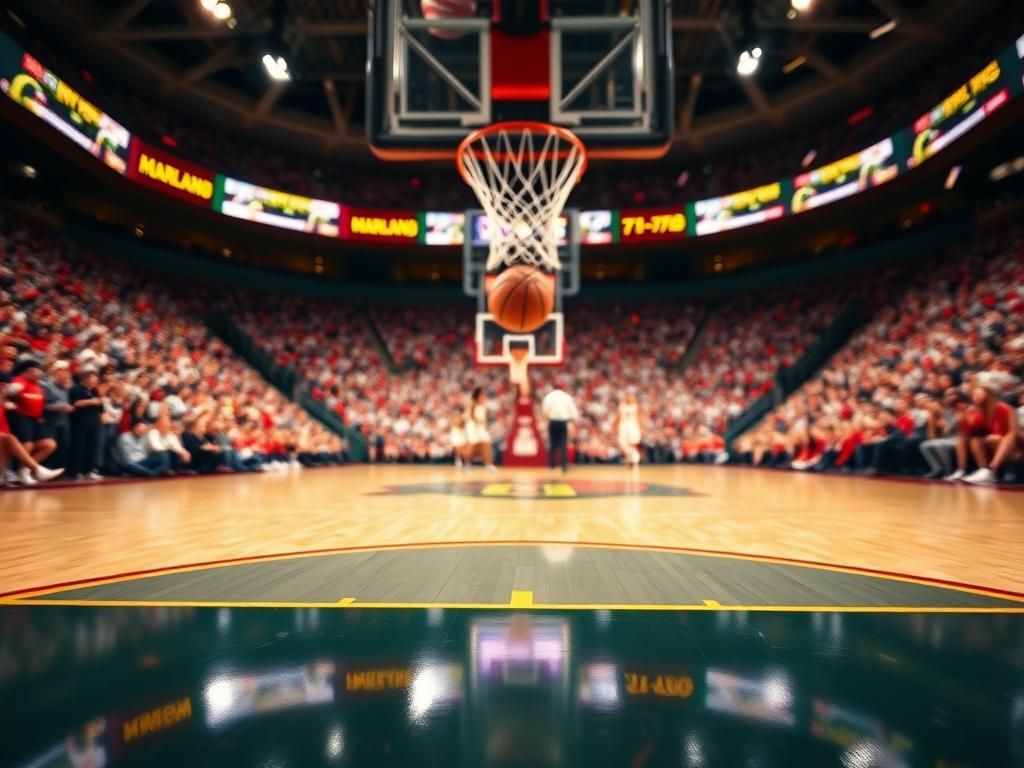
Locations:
column 536, row 489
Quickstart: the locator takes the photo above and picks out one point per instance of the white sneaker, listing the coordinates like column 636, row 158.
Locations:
column 43, row 474
column 25, row 475
column 722, row 458
column 955, row 477
column 94, row 476
column 982, row 476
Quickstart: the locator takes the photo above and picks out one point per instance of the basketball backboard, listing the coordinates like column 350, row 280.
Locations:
column 493, row 344
column 602, row 68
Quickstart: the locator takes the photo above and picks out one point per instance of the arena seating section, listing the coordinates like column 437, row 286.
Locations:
column 154, row 354
column 931, row 333
column 394, row 375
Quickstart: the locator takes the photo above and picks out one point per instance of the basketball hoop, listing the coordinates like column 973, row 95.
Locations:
column 522, row 174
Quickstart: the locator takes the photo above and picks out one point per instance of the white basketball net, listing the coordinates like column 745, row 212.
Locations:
column 522, row 175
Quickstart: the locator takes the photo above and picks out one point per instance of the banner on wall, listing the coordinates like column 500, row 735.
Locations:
column 242, row 200
column 162, row 171
column 857, row 173
column 376, row 225
column 959, row 112
column 28, row 83
column 740, row 209
column 652, row 224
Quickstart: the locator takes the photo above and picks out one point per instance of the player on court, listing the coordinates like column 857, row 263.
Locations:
column 458, row 439
column 478, row 439
column 627, row 427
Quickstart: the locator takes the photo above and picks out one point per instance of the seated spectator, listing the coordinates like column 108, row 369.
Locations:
column 988, row 432
column 939, row 450
column 27, row 422
column 164, row 439
column 206, row 456
column 137, row 455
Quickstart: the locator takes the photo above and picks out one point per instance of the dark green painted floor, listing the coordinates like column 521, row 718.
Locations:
column 555, row 575
column 306, row 687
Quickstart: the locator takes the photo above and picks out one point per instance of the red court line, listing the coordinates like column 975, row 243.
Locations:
column 875, row 572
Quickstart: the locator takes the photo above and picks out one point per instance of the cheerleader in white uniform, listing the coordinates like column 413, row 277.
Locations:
column 478, row 439
column 458, row 438
column 627, row 427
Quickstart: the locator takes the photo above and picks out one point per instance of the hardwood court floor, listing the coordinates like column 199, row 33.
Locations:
column 955, row 533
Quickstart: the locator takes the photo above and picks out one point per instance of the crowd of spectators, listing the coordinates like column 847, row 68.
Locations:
column 105, row 372
column 928, row 387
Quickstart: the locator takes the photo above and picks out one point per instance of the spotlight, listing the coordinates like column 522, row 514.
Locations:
column 276, row 67
column 209, row 4
column 28, row 171
column 801, row 5
column 748, row 61
column 883, row 30
column 222, row 11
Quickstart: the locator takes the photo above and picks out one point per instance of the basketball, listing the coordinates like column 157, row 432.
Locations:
column 521, row 299
column 447, row 9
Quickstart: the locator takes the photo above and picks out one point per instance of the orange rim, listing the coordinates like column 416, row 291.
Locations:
column 465, row 146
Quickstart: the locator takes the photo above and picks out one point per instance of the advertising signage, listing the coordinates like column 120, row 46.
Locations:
column 375, row 225
column 959, row 112
column 162, row 171
column 740, row 209
column 868, row 168
column 242, row 200
column 28, row 83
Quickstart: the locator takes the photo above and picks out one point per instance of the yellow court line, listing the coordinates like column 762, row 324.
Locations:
column 521, row 598
column 770, row 559
column 346, row 601
column 712, row 604
column 74, row 603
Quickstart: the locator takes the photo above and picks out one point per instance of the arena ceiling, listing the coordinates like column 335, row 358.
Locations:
column 174, row 52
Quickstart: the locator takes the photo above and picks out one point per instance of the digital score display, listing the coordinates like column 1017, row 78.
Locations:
column 28, row 83
column 959, row 112
column 868, row 168
column 652, row 224
column 740, row 209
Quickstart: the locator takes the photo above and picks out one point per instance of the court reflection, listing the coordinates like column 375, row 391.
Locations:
column 140, row 686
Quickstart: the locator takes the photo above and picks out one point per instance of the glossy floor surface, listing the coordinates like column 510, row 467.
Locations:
column 405, row 616
column 972, row 536
column 438, row 687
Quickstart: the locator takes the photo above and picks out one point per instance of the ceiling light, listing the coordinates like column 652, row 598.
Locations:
column 222, row 11
column 208, row 4
column 749, row 61
column 801, row 5
column 885, row 29
column 276, row 67
column 28, row 171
